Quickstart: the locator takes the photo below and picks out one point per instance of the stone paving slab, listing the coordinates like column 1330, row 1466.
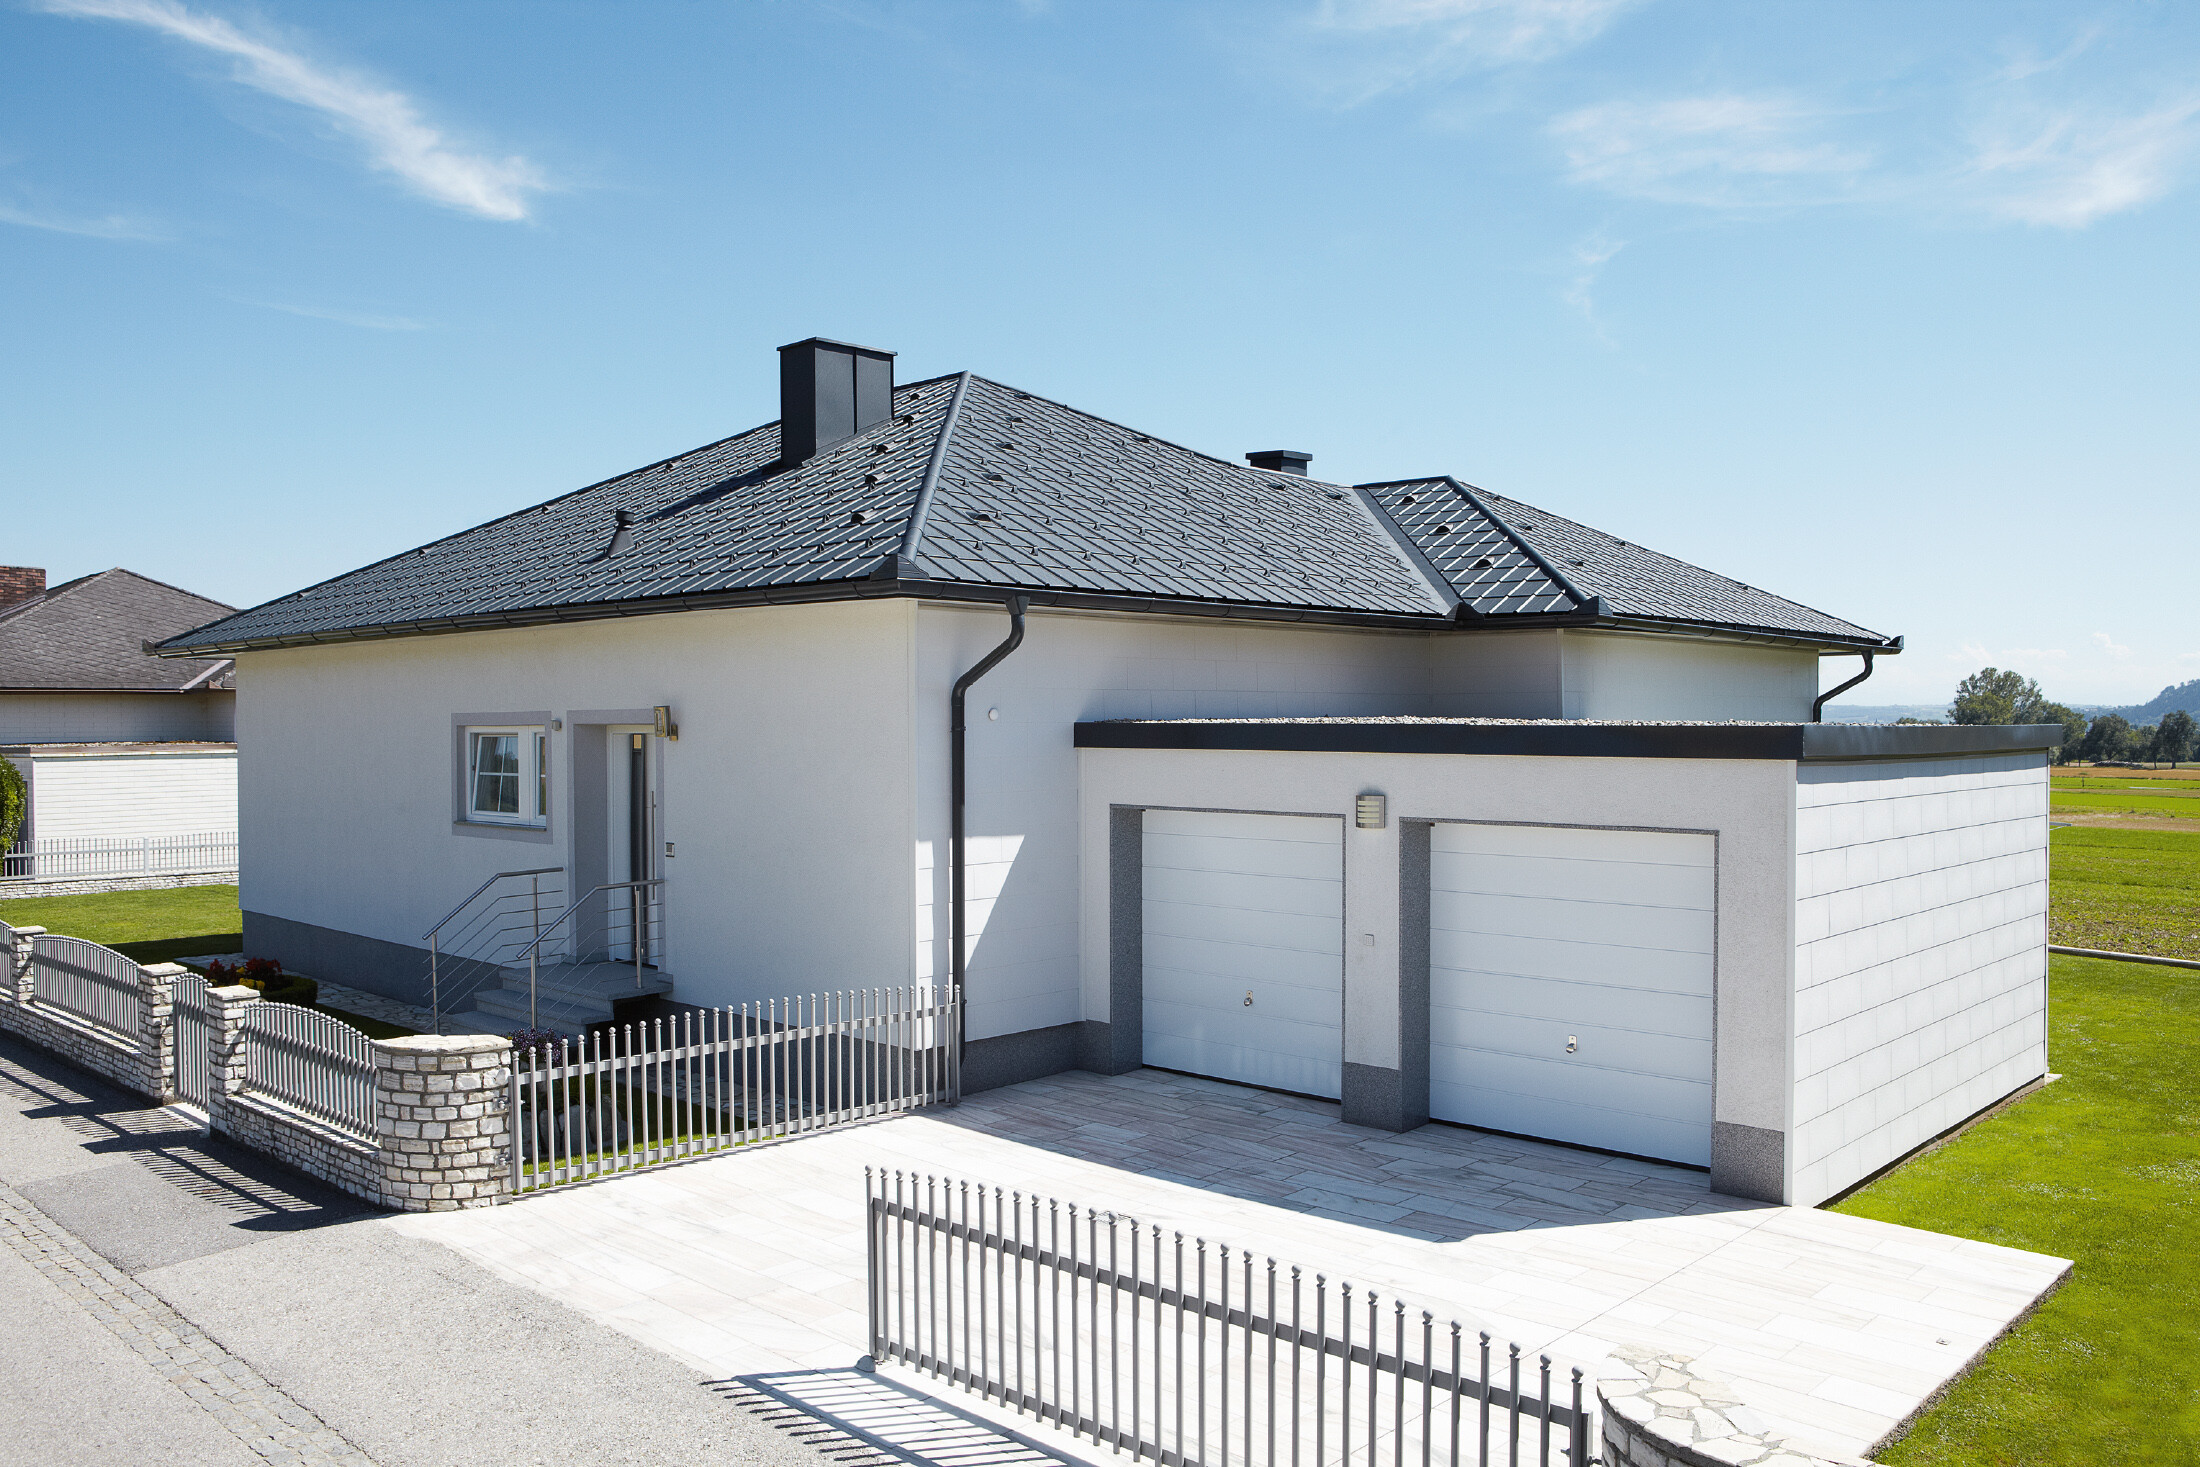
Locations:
column 1836, row 1328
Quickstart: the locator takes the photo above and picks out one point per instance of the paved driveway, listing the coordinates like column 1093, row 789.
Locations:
column 1834, row 1327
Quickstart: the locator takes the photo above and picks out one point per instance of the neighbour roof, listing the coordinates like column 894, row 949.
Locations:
column 973, row 489
column 89, row 635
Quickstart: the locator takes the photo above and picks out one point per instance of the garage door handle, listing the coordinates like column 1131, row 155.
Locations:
column 1572, row 1044
column 1248, row 998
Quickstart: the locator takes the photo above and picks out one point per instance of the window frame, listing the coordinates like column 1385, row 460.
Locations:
column 534, row 752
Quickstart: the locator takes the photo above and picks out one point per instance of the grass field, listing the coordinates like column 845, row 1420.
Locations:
column 148, row 926
column 2134, row 891
column 2102, row 1167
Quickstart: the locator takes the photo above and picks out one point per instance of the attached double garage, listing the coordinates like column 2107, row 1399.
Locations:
column 1785, row 953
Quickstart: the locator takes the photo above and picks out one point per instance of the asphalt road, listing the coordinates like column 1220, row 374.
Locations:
column 174, row 1300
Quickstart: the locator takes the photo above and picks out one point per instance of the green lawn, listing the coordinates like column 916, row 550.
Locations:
column 2102, row 1167
column 149, row 926
column 2133, row 891
column 2174, row 804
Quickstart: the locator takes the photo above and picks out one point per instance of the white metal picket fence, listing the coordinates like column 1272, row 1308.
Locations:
column 642, row 1095
column 1186, row 1352
column 84, row 979
column 69, row 857
column 194, row 1022
column 311, row 1062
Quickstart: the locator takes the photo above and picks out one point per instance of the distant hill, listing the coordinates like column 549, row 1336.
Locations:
column 1883, row 713
column 2169, row 700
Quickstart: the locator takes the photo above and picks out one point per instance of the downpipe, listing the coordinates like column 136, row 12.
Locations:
column 1818, row 708
column 957, row 787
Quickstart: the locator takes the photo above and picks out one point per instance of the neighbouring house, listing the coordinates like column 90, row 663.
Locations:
column 130, row 758
column 1405, row 794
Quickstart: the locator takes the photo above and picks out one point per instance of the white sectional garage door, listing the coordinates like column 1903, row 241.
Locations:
column 1244, row 907
column 1540, row 936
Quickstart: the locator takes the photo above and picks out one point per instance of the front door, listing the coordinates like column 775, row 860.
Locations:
column 631, row 811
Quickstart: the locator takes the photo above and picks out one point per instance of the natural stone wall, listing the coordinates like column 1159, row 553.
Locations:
column 313, row 1146
column 86, row 885
column 442, row 1118
column 1658, row 1412
column 144, row 1062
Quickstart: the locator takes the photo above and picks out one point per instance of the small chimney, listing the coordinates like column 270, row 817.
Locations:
column 1281, row 461
column 829, row 391
column 21, row 583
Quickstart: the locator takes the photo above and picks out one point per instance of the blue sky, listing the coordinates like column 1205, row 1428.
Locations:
column 1887, row 308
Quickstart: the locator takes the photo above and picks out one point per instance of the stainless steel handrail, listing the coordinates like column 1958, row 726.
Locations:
column 639, row 939
column 433, row 939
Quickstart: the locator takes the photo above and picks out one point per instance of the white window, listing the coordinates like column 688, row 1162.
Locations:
column 508, row 776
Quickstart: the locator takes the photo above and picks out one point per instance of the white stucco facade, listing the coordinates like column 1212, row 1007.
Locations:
column 1921, row 954
column 199, row 716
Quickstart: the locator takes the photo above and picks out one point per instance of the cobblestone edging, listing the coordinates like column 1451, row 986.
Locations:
column 1658, row 1412
column 225, row 1387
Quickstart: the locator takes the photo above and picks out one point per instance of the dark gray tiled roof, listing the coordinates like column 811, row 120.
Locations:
column 90, row 633
column 1027, row 494
column 1504, row 557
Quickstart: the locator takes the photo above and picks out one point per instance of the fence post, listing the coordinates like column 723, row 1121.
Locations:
column 20, row 982
column 157, row 1028
column 224, row 1049
column 443, row 1120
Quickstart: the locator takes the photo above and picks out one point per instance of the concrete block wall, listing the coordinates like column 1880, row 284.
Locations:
column 1920, row 958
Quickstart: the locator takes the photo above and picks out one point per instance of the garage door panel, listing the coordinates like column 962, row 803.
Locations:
column 1632, row 1131
column 1192, row 853
column 1315, row 830
column 1615, row 1006
column 1241, row 963
column 1281, row 931
column 1245, row 891
column 1638, row 883
column 1578, row 962
column 1542, row 1041
column 1237, row 904
column 1285, row 1002
column 1666, row 928
column 1566, row 842
column 1538, row 934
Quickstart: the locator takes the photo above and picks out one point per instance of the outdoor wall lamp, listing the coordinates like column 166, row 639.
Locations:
column 1368, row 812
column 665, row 727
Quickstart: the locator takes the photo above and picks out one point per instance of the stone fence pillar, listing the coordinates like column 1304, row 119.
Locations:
column 225, row 1050
column 442, row 1120
column 18, row 964
column 157, row 1029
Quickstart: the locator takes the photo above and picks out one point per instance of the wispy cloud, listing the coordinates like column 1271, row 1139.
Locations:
column 388, row 123
column 2110, row 645
column 1372, row 47
column 105, row 226
column 1589, row 259
column 362, row 319
column 2072, row 166
column 1724, row 150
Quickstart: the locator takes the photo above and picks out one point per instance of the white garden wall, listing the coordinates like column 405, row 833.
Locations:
column 1920, row 959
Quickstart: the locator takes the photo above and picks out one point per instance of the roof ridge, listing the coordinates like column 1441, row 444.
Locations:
column 920, row 509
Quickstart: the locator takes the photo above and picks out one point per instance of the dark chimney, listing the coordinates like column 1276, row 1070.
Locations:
column 830, row 391
column 21, row 583
column 1281, row 461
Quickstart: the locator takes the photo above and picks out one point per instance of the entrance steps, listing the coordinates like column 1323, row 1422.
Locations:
column 568, row 996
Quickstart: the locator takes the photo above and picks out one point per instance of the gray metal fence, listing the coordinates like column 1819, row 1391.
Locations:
column 309, row 1061
column 1189, row 1352
column 87, row 980
column 194, row 1022
column 641, row 1095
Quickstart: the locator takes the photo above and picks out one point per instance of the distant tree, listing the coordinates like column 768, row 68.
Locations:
column 2073, row 729
column 2109, row 739
column 14, row 803
column 2173, row 737
column 1991, row 695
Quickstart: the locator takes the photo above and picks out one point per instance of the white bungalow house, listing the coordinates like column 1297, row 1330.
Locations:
column 129, row 759
column 1404, row 794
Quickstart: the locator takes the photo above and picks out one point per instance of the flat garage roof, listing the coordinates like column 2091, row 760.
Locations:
column 1572, row 738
